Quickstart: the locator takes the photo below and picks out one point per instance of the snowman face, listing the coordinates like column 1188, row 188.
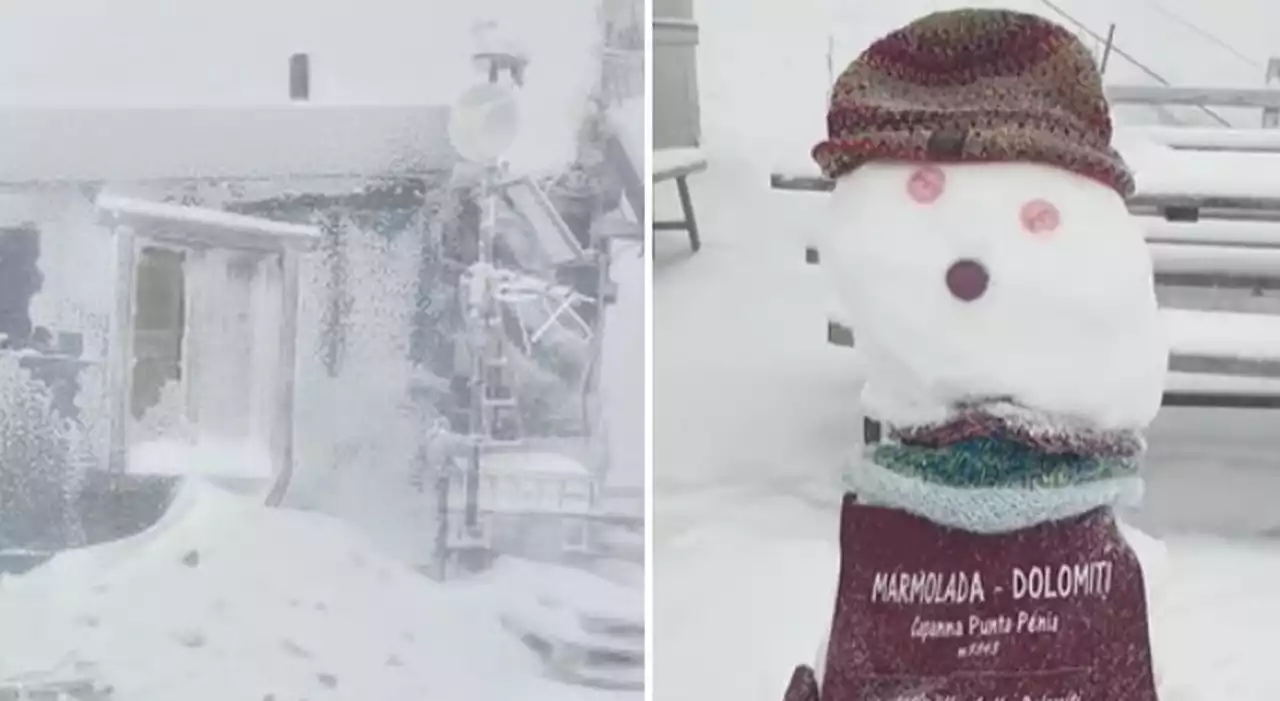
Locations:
column 972, row 282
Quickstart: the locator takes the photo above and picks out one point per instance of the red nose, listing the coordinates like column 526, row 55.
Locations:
column 967, row 280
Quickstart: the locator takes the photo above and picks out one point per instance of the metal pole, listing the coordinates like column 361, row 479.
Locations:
column 478, row 321
column 476, row 415
column 604, row 293
column 481, row 320
column 1106, row 50
column 443, row 482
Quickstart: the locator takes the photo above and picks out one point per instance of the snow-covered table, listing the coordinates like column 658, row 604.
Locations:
column 678, row 164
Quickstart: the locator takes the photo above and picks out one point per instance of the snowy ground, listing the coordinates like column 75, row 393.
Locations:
column 224, row 599
column 753, row 412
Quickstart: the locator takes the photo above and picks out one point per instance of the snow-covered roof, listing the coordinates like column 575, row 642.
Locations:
column 205, row 226
column 84, row 144
column 220, row 74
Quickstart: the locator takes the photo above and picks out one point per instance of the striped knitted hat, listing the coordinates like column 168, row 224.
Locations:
column 974, row 85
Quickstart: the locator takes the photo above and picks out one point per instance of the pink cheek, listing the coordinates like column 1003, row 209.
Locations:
column 926, row 184
column 1040, row 217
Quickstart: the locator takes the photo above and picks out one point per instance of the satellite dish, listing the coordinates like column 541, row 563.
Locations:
column 483, row 123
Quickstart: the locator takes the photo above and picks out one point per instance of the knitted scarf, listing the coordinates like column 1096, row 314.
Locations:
column 999, row 468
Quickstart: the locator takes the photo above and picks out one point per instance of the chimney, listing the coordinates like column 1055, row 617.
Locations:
column 299, row 77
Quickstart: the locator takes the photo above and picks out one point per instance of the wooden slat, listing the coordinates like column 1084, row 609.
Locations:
column 1218, row 365
column 1220, row 281
column 1221, row 400
column 800, row 182
column 1163, row 202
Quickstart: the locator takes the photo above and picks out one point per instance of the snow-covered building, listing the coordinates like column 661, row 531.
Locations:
column 333, row 118
column 368, row 192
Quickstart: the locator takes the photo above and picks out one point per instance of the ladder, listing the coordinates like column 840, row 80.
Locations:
column 500, row 424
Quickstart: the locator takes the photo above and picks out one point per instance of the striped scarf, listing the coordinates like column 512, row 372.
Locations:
column 999, row 468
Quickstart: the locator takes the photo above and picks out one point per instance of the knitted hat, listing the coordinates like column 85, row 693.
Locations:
column 977, row 86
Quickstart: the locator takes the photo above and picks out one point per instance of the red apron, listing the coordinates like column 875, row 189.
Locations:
column 1055, row 612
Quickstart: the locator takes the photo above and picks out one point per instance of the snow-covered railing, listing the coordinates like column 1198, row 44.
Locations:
column 1209, row 138
column 1161, row 97
column 1193, row 96
column 553, row 241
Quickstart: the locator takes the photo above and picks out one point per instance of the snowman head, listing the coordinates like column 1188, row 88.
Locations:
column 979, row 239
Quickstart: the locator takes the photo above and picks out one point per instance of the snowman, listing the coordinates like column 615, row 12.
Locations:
column 1003, row 304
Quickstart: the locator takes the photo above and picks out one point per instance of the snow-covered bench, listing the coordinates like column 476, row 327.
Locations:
column 1208, row 203
column 1207, row 230
column 1186, row 185
column 1217, row 359
column 678, row 164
